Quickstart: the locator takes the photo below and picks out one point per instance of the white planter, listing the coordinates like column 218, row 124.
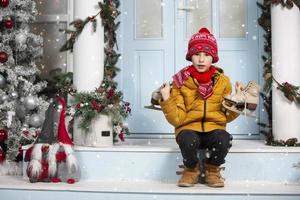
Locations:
column 99, row 135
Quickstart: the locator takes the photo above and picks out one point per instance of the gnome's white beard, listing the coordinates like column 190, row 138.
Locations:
column 35, row 165
column 36, row 153
column 52, row 159
column 71, row 160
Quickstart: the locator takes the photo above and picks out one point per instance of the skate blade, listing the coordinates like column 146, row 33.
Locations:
column 246, row 112
column 229, row 101
column 152, row 107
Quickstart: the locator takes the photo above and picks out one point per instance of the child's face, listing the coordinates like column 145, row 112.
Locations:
column 202, row 61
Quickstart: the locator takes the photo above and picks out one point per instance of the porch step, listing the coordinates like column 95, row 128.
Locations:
column 158, row 160
column 12, row 188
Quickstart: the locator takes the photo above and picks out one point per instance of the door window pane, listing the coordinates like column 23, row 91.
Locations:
column 232, row 19
column 199, row 14
column 52, row 41
column 148, row 19
column 52, row 7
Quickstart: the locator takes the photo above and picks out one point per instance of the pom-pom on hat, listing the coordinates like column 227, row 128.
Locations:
column 203, row 41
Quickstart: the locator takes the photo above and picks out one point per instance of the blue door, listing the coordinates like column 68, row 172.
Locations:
column 154, row 39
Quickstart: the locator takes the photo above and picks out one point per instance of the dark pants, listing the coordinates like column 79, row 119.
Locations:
column 216, row 144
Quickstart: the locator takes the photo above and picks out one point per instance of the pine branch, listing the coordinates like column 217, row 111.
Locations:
column 79, row 25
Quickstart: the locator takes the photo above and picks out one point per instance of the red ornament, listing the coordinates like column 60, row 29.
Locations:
column 8, row 24
column 2, row 156
column 3, row 57
column 3, row 135
column 4, row 3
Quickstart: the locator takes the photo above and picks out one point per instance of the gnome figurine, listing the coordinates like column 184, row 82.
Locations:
column 51, row 157
column 67, row 168
column 38, row 154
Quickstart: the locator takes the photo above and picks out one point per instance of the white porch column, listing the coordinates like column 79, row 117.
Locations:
column 286, row 67
column 88, row 49
column 88, row 71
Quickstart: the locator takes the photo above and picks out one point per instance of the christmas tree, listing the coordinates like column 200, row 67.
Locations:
column 21, row 109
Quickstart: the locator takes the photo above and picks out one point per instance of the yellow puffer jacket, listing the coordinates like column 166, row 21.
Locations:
column 186, row 109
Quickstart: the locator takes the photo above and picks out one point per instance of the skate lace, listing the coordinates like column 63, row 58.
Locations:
column 245, row 105
column 246, row 90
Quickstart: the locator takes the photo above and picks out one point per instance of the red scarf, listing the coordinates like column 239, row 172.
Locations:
column 205, row 87
column 201, row 77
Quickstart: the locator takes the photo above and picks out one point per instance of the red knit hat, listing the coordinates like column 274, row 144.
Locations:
column 203, row 41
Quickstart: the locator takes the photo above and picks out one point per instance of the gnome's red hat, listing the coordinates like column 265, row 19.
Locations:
column 62, row 134
column 203, row 41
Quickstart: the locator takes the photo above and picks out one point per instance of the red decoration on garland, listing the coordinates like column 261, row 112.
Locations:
column 110, row 93
column 8, row 24
column 121, row 136
column 96, row 106
column 3, row 57
column 78, row 106
column 2, row 156
column 3, row 135
column 4, row 3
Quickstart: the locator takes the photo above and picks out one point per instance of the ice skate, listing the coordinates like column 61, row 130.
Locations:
column 244, row 101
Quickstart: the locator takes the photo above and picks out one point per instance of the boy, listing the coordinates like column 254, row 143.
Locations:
column 194, row 108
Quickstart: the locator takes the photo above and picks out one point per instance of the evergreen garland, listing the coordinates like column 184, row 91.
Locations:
column 289, row 91
column 287, row 3
column 105, row 99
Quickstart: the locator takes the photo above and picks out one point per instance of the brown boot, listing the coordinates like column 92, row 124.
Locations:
column 213, row 176
column 189, row 177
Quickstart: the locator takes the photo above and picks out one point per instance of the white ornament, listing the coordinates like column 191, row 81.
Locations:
column 36, row 120
column 31, row 102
